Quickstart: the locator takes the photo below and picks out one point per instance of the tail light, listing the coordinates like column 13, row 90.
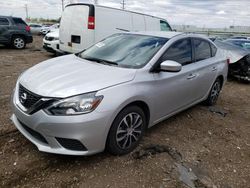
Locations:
column 91, row 22
column 27, row 28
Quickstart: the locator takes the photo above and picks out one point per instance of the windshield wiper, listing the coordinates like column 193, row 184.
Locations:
column 102, row 61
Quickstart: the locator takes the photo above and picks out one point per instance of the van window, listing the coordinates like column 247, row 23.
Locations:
column 4, row 21
column 19, row 21
column 165, row 26
column 180, row 51
column 202, row 49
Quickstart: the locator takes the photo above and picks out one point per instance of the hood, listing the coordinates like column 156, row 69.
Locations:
column 70, row 75
column 53, row 33
column 231, row 51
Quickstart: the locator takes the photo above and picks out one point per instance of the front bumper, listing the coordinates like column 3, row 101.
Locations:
column 52, row 46
column 90, row 130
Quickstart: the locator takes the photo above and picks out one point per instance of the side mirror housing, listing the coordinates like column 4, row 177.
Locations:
column 170, row 66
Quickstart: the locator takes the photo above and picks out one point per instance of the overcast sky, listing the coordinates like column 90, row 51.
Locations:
column 203, row 13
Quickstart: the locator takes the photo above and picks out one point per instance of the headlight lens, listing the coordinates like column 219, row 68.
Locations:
column 81, row 104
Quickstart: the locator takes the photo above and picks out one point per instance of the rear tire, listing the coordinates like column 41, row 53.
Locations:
column 214, row 93
column 18, row 42
column 126, row 131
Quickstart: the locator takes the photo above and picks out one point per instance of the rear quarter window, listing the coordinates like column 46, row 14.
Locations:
column 4, row 21
column 19, row 21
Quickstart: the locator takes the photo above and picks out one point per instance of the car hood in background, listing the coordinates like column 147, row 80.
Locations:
column 53, row 33
column 70, row 75
column 231, row 51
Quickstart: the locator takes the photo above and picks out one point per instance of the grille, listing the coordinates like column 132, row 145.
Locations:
column 27, row 98
column 71, row 144
column 33, row 133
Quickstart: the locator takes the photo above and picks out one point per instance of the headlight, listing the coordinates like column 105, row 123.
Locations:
column 56, row 38
column 80, row 104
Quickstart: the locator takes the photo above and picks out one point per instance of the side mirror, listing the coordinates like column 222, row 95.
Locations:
column 170, row 66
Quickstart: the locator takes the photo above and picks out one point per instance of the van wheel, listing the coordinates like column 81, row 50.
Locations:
column 126, row 131
column 214, row 93
column 18, row 42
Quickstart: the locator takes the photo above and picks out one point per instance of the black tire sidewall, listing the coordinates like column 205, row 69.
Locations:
column 209, row 101
column 111, row 144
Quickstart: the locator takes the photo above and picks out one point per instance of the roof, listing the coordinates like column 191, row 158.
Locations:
column 96, row 5
column 163, row 34
column 8, row 16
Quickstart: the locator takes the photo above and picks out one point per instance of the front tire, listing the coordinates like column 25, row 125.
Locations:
column 18, row 42
column 126, row 131
column 214, row 93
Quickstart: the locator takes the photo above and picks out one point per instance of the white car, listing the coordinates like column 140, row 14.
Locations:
column 51, row 42
column 46, row 28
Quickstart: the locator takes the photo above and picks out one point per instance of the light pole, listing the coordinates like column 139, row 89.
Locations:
column 123, row 4
column 62, row 5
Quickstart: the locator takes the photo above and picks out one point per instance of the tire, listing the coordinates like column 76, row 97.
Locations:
column 214, row 93
column 131, row 125
column 18, row 42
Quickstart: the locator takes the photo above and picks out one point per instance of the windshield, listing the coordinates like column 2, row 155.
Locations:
column 125, row 50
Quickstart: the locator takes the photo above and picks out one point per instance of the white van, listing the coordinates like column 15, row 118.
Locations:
column 84, row 24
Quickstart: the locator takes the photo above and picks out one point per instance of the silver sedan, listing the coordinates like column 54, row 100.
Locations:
column 106, row 97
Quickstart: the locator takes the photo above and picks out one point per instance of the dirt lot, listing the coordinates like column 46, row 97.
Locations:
column 202, row 148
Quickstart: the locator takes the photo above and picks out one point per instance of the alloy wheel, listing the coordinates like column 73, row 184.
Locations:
column 215, row 92
column 19, row 43
column 129, row 130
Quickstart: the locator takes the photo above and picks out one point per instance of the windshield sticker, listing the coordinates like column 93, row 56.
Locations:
column 100, row 44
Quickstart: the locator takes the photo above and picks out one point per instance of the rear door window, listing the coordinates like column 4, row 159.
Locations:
column 165, row 26
column 19, row 21
column 180, row 51
column 202, row 49
column 4, row 21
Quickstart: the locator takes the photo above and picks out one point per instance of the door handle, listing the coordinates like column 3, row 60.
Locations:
column 191, row 76
column 214, row 69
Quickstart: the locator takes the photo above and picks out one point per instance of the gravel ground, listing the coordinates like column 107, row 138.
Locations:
column 197, row 147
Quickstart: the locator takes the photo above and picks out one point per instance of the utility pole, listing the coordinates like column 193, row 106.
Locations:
column 26, row 10
column 62, row 5
column 123, row 4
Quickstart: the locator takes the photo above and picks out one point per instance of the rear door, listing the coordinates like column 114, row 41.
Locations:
column 4, row 29
column 75, row 33
column 206, row 65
